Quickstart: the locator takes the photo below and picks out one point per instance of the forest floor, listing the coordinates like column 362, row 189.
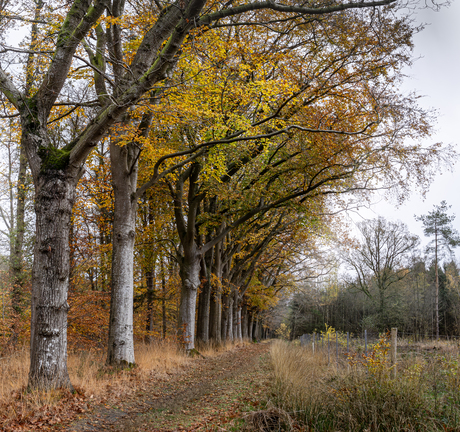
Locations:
column 208, row 394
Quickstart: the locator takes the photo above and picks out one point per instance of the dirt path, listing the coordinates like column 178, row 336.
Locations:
column 208, row 395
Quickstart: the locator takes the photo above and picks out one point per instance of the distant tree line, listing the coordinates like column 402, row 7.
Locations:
column 387, row 285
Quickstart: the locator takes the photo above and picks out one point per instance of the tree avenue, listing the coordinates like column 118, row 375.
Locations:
column 309, row 92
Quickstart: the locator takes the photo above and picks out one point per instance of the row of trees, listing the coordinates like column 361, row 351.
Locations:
column 228, row 133
column 388, row 284
column 410, row 305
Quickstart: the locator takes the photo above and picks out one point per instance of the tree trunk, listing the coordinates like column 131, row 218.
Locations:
column 215, row 326
column 251, row 327
column 231, row 303
column 256, row 331
column 124, row 177
column 215, row 320
column 436, row 307
column 16, row 256
column 244, row 321
column 239, row 327
column 190, row 276
column 204, row 301
column 163, row 297
column 54, row 198
column 204, row 312
column 225, row 317
column 236, row 316
column 150, row 276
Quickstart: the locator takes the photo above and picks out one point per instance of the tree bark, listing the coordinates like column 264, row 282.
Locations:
column 244, row 321
column 124, row 177
column 190, row 277
column 230, row 303
column 54, row 198
column 215, row 327
column 225, row 317
column 150, row 275
column 236, row 316
column 163, row 297
column 17, row 246
column 204, row 301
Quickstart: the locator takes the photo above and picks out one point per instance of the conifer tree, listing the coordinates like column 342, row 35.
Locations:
column 438, row 223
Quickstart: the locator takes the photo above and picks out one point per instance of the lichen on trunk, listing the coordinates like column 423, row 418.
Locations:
column 50, row 279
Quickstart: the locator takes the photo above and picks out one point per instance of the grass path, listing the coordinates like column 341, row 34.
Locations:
column 209, row 394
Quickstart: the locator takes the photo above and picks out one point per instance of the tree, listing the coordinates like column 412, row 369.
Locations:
column 381, row 258
column 438, row 223
column 57, row 167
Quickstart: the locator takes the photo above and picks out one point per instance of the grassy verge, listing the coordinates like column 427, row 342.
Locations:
column 366, row 395
column 93, row 381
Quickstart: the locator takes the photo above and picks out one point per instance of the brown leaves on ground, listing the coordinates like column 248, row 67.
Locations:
column 43, row 412
column 206, row 394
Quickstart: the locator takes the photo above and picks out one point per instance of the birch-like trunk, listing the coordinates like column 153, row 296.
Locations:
column 124, row 177
column 54, row 198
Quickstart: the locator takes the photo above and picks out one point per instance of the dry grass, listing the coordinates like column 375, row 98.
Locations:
column 90, row 377
column 92, row 380
column 211, row 350
column 366, row 397
column 270, row 419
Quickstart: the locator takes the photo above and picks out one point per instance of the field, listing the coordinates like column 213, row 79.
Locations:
column 365, row 393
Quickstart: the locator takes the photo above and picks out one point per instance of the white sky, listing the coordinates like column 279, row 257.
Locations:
column 436, row 76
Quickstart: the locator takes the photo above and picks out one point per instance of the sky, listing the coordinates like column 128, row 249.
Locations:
column 435, row 75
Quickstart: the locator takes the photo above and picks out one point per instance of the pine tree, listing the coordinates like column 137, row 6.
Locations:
column 438, row 223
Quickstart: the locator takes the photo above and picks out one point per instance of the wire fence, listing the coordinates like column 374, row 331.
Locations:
column 340, row 347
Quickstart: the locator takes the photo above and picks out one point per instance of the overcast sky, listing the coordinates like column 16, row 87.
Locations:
column 436, row 76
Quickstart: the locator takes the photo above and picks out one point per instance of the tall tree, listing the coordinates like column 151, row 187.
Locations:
column 438, row 223
column 382, row 258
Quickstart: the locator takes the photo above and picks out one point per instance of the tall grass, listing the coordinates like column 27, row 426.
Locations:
column 88, row 374
column 366, row 396
column 91, row 377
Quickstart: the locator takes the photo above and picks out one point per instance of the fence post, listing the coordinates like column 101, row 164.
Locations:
column 337, row 347
column 348, row 351
column 365, row 343
column 393, row 349
column 328, row 351
column 313, row 344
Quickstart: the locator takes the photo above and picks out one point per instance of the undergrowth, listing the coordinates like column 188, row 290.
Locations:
column 366, row 394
